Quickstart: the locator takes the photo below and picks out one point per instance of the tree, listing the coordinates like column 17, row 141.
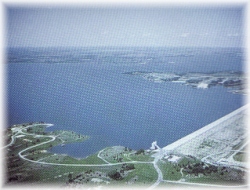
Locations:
column 120, row 160
column 141, row 151
column 70, row 176
column 130, row 167
column 115, row 175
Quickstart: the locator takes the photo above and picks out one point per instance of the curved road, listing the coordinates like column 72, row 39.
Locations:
column 157, row 156
column 52, row 139
column 160, row 176
column 13, row 138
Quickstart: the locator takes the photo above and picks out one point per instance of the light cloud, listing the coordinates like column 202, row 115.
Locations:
column 233, row 35
column 146, row 35
column 124, row 26
column 204, row 34
column 185, row 35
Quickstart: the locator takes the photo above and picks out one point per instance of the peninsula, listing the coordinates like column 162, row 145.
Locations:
column 214, row 156
column 234, row 81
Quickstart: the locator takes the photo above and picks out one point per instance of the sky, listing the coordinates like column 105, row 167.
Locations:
column 47, row 26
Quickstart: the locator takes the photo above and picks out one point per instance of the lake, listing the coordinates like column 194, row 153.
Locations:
column 85, row 90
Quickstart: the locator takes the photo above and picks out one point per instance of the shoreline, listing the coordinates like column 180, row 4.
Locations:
column 204, row 129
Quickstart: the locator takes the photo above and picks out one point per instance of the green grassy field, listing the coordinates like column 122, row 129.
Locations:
column 128, row 168
column 169, row 171
column 240, row 157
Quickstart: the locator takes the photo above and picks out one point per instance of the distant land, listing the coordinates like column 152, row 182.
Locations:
column 213, row 156
column 234, row 81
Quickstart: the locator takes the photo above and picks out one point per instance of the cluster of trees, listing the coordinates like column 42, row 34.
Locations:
column 197, row 168
column 70, row 176
column 29, row 129
column 200, row 168
column 114, row 174
column 141, row 151
column 117, row 175
column 72, row 179
column 120, row 159
column 15, row 178
column 222, row 172
column 127, row 149
column 128, row 166
column 231, row 82
column 117, row 158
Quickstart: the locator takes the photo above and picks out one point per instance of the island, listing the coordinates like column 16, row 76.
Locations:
column 213, row 156
column 234, row 81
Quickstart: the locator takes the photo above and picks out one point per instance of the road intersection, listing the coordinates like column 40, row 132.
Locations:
column 159, row 154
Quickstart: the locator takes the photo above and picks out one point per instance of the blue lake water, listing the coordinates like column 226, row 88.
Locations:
column 85, row 90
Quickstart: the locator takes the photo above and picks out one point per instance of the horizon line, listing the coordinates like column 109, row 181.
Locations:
column 115, row 46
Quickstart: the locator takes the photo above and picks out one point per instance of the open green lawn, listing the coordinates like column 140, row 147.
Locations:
column 214, row 181
column 240, row 157
column 20, row 170
column 141, row 157
column 93, row 159
column 144, row 174
column 170, row 171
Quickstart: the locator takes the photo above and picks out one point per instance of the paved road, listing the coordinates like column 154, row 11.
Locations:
column 13, row 139
column 101, row 157
column 237, row 151
column 20, row 131
column 204, row 185
column 234, row 164
column 157, row 156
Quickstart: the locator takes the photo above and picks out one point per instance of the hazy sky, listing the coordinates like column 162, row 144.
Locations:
column 130, row 26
